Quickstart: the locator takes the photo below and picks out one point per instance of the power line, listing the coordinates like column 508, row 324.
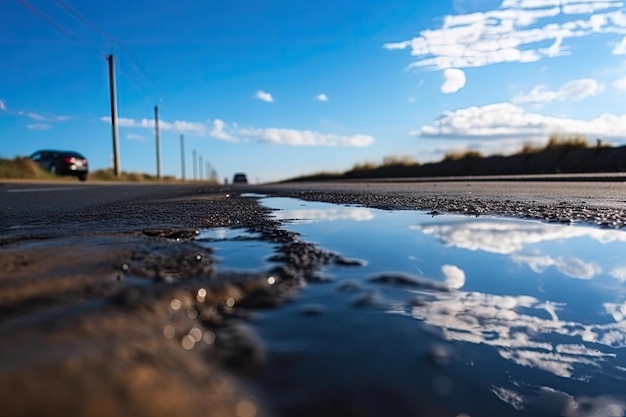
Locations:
column 83, row 19
column 54, row 24
column 114, row 42
column 65, row 5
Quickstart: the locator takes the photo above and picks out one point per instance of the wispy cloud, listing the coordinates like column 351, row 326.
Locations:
column 454, row 80
column 218, row 129
column 43, row 117
column 134, row 136
column 573, row 90
column 264, row 96
column 620, row 48
column 511, row 33
column 572, row 267
column 506, row 120
column 321, row 97
column 620, row 84
column 293, row 137
column 38, row 126
column 3, row 105
column 517, row 31
column 178, row 126
column 520, row 328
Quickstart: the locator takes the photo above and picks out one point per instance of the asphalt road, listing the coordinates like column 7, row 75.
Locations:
column 22, row 202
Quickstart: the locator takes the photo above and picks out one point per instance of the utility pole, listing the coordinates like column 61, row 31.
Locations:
column 200, row 168
column 206, row 171
column 158, row 140
column 195, row 168
column 182, row 156
column 116, row 153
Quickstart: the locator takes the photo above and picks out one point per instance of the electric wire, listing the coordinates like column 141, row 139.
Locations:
column 116, row 42
column 54, row 24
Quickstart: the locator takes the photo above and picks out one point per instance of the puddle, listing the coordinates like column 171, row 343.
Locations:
column 237, row 249
column 518, row 317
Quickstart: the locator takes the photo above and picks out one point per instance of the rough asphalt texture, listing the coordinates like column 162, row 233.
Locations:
column 116, row 310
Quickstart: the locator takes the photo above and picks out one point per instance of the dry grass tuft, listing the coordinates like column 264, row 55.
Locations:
column 459, row 155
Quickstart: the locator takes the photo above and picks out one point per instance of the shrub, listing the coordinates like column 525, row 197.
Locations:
column 562, row 141
column 364, row 166
column 393, row 160
column 459, row 155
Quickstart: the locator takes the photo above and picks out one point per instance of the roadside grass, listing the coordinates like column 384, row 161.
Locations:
column 320, row 176
column 460, row 155
column 24, row 168
column 109, row 175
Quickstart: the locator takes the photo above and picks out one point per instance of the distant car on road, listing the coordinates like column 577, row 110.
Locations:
column 62, row 162
column 240, row 178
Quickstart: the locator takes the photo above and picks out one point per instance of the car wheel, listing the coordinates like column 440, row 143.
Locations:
column 53, row 169
column 82, row 177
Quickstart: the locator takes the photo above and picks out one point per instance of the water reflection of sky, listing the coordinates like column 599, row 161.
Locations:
column 231, row 243
column 544, row 297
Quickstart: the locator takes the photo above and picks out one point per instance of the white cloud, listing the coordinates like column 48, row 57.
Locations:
column 264, row 96
column 321, row 97
column 218, row 129
column 38, row 126
column 3, row 105
column 517, row 31
column 134, row 136
column 506, row 120
column 293, row 137
column 574, row 90
column 519, row 329
column 454, row 276
column 620, row 48
column 454, row 80
column 179, row 126
column 620, row 84
column 509, row 236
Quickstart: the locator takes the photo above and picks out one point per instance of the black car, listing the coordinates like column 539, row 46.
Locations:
column 62, row 162
column 240, row 178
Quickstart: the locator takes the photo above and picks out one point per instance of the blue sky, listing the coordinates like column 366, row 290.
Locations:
column 278, row 88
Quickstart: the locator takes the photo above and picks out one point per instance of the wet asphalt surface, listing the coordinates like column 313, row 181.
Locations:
column 109, row 307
